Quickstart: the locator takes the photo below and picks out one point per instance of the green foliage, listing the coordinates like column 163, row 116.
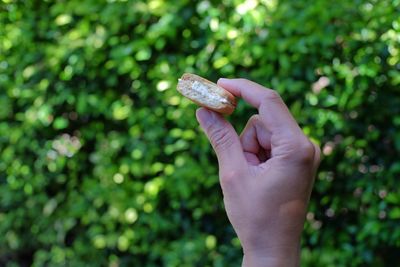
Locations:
column 103, row 163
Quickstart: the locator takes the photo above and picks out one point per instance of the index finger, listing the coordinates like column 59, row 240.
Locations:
column 273, row 111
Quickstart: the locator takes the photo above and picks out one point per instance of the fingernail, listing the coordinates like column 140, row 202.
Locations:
column 222, row 80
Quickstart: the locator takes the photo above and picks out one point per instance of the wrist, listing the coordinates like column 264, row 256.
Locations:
column 277, row 247
column 287, row 256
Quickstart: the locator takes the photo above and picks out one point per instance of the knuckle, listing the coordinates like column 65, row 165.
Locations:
column 317, row 153
column 220, row 138
column 228, row 178
column 305, row 152
column 271, row 95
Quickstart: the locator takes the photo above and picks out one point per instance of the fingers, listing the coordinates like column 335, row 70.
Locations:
column 223, row 138
column 256, row 140
column 288, row 142
column 273, row 111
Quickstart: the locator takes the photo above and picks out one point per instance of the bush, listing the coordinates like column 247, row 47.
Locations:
column 103, row 163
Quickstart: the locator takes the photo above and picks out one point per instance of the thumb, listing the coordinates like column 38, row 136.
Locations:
column 223, row 138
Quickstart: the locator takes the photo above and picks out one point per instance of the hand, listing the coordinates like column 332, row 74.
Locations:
column 266, row 175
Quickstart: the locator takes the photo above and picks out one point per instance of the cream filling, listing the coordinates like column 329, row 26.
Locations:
column 204, row 91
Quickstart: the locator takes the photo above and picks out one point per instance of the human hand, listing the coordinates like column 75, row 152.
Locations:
column 266, row 175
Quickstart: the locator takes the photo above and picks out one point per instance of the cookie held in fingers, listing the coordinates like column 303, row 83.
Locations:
column 206, row 94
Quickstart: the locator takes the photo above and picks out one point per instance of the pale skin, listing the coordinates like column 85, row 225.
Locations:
column 266, row 175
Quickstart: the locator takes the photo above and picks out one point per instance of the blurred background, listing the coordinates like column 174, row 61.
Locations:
column 102, row 162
